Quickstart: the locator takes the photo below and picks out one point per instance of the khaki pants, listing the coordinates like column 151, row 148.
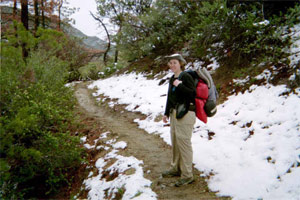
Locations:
column 181, row 134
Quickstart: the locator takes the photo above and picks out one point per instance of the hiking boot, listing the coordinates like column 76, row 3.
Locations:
column 170, row 173
column 184, row 181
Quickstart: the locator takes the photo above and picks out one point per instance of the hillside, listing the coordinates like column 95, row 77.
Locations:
column 249, row 150
column 90, row 42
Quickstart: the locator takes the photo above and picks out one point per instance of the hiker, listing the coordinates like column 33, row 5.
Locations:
column 181, row 92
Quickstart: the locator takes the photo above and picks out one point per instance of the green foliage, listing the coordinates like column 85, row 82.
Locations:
column 295, row 81
column 236, row 33
column 90, row 71
column 245, row 71
column 121, row 192
column 159, row 29
column 51, row 42
column 119, row 12
column 94, row 71
column 37, row 151
column 138, row 194
column 21, row 37
column 65, row 48
column 110, row 69
column 239, row 36
column 208, row 27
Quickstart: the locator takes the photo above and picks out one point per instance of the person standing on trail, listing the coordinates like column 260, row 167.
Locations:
column 181, row 92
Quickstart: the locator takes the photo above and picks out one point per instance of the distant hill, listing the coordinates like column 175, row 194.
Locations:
column 92, row 42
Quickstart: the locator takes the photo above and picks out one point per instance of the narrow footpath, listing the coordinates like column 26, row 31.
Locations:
column 151, row 149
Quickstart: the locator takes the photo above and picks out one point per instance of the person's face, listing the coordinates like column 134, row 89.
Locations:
column 174, row 65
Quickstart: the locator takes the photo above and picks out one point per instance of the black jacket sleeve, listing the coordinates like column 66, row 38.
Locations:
column 168, row 105
column 187, row 88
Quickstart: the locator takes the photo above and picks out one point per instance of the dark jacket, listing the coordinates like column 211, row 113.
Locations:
column 183, row 93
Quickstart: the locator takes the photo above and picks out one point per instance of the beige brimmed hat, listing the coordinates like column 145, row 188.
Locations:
column 176, row 56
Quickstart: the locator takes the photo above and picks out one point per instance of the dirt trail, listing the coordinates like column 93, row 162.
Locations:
column 151, row 149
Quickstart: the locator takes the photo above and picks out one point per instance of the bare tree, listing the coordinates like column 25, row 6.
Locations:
column 115, row 10
column 107, row 34
column 118, row 11
column 64, row 12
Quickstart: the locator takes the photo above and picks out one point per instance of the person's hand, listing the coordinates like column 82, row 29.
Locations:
column 176, row 82
column 165, row 119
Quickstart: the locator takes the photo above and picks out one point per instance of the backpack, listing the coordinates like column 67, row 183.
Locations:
column 206, row 93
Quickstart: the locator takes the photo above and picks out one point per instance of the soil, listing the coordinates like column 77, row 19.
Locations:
column 149, row 148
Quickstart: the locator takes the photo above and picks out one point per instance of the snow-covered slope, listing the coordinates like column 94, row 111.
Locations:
column 251, row 146
column 249, row 150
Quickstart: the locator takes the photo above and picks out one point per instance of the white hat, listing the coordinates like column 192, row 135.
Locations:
column 176, row 56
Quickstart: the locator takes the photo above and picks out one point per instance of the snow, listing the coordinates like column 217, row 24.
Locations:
column 251, row 166
column 295, row 47
column 249, row 150
column 255, row 147
column 133, row 184
column 83, row 139
column 120, row 145
column 88, row 146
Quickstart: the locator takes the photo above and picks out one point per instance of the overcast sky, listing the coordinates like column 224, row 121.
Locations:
column 84, row 21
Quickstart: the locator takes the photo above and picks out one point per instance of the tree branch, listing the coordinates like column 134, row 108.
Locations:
column 108, row 37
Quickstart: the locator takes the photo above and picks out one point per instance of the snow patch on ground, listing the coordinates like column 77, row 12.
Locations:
column 124, row 177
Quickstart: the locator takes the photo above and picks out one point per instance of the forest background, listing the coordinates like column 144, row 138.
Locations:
column 40, row 148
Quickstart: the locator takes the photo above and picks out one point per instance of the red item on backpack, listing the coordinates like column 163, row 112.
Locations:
column 201, row 97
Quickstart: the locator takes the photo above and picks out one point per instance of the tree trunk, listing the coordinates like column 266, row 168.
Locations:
column 108, row 37
column 15, row 9
column 59, row 13
column 24, row 20
column 36, row 16
column 43, row 13
column 116, row 54
column 24, row 13
column 117, row 45
column 15, row 16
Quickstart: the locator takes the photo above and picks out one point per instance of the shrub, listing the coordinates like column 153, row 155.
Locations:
column 159, row 30
column 89, row 71
column 111, row 68
column 66, row 48
column 240, row 36
column 37, row 153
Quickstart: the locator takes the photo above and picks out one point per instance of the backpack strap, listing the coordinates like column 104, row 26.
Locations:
column 180, row 75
